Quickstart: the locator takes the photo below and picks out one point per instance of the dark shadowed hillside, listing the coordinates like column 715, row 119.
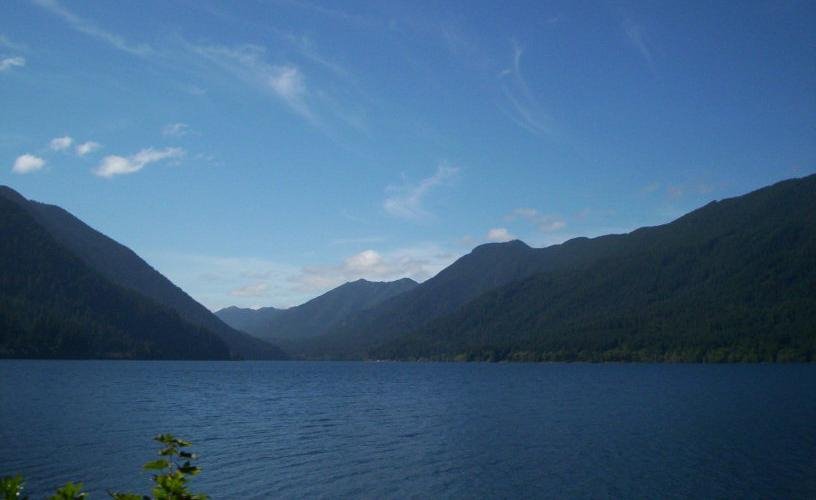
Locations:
column 123, row 267
column 732, row 281
column 707, row 253
column 52, row 305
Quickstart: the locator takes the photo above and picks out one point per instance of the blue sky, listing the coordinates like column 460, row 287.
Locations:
column 262, row 152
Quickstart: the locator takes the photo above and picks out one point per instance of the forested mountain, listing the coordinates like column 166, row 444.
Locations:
column 53, row 305
column 732, row 281
column 706, row 250
column 252, row 321
column 317, row 316
column 123, row 267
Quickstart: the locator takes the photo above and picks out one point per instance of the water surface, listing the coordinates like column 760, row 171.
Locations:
column 291, row 429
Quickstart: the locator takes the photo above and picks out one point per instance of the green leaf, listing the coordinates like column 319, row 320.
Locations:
column 168, row 451
column 11, row 487
column 157, row 464
column 70, row 491
column 127, row 496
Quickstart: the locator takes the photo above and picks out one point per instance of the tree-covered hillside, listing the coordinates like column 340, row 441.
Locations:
column 732, row 281
column 123, row 267
column 317, row 316
column 52, row 305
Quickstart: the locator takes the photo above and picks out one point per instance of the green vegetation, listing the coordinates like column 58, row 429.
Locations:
column 173, row 472
column 732, row 282
column 317, row 316
column 53, row 306
column 121, row 266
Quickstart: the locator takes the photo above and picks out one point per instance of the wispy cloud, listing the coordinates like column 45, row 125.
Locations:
column 89, row 28
column 5, row 42
column 524, row 109
column 9, row 62
column 27, row 163
column 86, row 148
column 247, row 63
column 60, row 143
column 175, row 130
column 118, row 165
column 499, row 234
column 639, row 41
column 407, row 200
column 544, row 222
column 252, row 290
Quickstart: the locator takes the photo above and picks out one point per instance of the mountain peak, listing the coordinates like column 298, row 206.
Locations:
column 501, row 246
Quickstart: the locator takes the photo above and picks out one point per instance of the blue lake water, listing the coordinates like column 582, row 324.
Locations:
column 290, row 429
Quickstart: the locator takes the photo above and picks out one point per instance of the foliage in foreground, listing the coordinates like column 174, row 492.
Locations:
column 173, row 471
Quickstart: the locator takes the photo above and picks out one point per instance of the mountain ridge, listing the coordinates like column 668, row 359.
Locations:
column 365, row 334
column 316, row 316
column 124, row 267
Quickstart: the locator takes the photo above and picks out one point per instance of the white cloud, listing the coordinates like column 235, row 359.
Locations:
column 86, row 148
column 246, row 63
column 119, row 165
column 61, row 143
column 90, row 29
column 252, row 290
column 27, row 163
column 524, row 108
column 499, row 234
column 175, row 130
column 544, row 222
column 287, row 82
column 406, row 201
column 418, row 263
column 10, row 62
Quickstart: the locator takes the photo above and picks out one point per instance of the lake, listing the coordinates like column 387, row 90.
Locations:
column 298, row 429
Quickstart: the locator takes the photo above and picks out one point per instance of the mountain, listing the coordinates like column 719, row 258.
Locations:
column 252, row 321
column 53, row 305
column 487, row 267
column 732, row 281
column 407, row 326
column 317, row 316
column 123, row 267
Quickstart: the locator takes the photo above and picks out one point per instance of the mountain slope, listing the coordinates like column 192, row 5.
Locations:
column 252, row 321
column 494, row 265
column 318, row 315
column 53, row 305
column 123, row 267
column 488, row 266
column 732, row 281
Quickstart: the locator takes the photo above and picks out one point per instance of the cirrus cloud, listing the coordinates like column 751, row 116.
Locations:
column 544, row 222
column 10, row 62
column 406, row 201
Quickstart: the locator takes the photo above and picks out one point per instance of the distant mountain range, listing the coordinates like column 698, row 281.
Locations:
column 317, row 316
column 732, row 281
column 53, row 251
